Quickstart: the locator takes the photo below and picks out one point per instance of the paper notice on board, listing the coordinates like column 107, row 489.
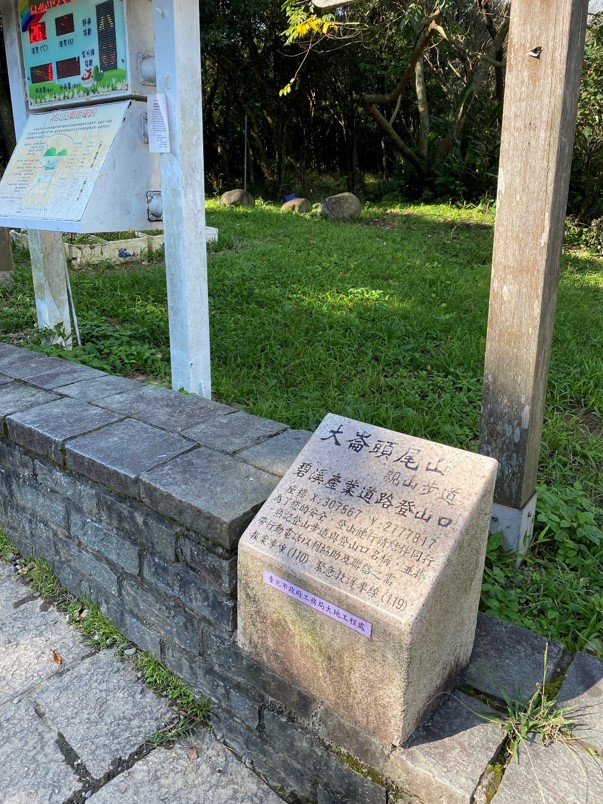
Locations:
column 159, row 132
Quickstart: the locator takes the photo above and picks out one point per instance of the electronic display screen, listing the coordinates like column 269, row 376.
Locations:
column 37, row 32
column 84, row 48
column 68, row 67
column 41, row 73
column 64, row 25
column 105, row 23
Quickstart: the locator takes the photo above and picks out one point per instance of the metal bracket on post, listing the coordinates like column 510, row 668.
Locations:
column 516, row 524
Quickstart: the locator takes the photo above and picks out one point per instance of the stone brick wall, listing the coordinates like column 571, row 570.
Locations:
column 137, row 496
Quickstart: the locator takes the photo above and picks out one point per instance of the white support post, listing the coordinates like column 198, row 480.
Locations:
column 178, row 62
column 48, row 260
column 49, row 271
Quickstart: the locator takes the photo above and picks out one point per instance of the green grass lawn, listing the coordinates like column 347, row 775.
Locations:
column 383, row 321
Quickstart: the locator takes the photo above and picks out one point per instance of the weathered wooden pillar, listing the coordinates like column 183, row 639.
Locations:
column 178, row 60
column 544, row 61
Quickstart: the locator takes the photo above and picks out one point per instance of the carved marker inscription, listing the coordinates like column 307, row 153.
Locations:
column 366, row 510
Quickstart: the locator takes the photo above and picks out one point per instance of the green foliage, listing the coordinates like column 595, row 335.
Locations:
column 587, row 166
column 557, row 590
column 585, row 236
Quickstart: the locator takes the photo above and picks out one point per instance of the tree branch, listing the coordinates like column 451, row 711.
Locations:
column 371, row 102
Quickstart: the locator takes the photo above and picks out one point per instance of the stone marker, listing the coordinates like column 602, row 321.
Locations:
column 359, row 579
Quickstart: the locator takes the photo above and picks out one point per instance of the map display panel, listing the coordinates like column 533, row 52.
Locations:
column 59, row 157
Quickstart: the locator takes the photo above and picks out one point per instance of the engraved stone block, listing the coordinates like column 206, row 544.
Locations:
column 359, row 578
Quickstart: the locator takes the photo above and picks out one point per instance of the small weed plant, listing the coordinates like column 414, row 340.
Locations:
column 539, row 718
column 193, row 712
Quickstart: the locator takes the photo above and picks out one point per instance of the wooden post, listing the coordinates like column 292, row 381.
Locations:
column 48, row 260
column 544, row 60
column 178, row 61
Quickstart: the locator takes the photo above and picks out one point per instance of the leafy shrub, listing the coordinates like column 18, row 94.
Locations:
column 558, row 588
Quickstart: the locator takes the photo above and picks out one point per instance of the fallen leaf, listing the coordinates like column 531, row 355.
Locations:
column 55, row 657
column 194, row 753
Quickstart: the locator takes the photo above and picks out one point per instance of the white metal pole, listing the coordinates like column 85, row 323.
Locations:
column 245, row 158
column 178, row 60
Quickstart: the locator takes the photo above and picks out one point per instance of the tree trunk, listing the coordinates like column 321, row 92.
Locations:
column 423, row 109
column 372, row 101
column 473, row 88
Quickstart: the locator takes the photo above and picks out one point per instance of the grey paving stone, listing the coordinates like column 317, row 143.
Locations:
column 119, row 453
column 509, row 659
column 102, row 710
column 445, row 758
column 8, row 352
column 16, row 396
column 582, row 688
column 278, row 453
column 32, row 768
column 44, row 429
column 164, row 408
column 92, row 390
column 11, row 590
column 18, row 363
column 56, row 375
column 555, row 774
column 207, row 491
column 233, row 432
column 29, row 632
column 201, row 771
column 5, row 379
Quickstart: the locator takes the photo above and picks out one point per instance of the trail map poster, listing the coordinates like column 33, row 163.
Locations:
column 58, row 159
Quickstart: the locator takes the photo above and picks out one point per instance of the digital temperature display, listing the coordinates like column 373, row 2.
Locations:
column 37, row 32
column 41, row 73
column 64, row 25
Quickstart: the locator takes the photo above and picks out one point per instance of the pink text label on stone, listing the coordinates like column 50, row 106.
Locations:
column 323, row 606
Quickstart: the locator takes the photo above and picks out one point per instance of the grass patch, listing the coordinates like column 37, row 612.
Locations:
column 539, row 718
column 193, row 712
column 383, row 320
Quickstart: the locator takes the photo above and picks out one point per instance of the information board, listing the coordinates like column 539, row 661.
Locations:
column 73, row 50
column 59, row 157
